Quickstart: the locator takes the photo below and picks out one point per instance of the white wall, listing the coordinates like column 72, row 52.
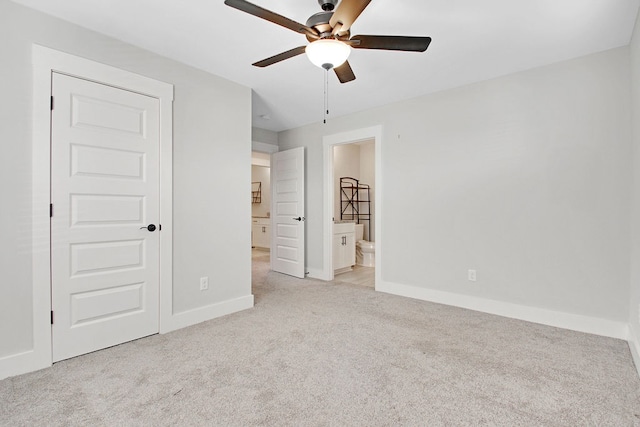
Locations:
column 212, row 144
column 634, row 296
column 368, row 176
column 263, row 140
column 264, row 135
column 524, row 178
column 346, row 163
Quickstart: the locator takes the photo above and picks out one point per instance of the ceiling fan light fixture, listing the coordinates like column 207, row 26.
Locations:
column 328, row 53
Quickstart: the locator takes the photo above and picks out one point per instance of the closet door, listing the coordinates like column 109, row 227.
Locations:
column 104, row 194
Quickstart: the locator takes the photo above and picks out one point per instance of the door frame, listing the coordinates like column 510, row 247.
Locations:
column 45, row 61
column 343, row 138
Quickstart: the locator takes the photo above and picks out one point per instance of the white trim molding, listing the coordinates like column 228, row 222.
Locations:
column 634, row 346
column 45, row 61
column 574, row 322
column 209, row 312
column 329, row 141
column 21, row 363
column 263, row 147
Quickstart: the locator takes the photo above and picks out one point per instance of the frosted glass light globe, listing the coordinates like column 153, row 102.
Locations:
column 328, row 53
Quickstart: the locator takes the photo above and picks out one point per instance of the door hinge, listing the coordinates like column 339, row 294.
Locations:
column 52, row 103
column 50, row 210
column 52, row 317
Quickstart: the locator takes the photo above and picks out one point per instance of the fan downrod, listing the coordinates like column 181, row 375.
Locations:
column 328, row 5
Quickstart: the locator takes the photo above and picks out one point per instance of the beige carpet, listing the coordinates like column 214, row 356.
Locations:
column 313, row 353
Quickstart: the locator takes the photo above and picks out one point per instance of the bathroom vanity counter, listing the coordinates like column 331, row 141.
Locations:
column 344, row 246
column 261, row 232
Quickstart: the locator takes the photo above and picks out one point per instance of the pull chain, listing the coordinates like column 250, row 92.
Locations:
column 326, row 94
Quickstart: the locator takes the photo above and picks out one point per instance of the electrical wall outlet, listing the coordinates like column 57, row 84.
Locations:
column 204, row 283
column 471, row 275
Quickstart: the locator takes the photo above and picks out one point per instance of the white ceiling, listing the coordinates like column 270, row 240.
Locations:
column 472, row 41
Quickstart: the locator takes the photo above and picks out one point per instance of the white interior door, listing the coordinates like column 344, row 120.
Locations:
column 287, row 207
column 104, row 194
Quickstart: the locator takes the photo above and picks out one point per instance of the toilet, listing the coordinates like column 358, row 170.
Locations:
column 365, row 250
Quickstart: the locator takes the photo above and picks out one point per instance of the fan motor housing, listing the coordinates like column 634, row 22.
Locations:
column 320, row 21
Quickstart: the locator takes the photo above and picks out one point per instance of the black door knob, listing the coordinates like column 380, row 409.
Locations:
column 150, row 227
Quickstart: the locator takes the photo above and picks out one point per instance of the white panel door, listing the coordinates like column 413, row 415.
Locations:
column 104, row 192
column 287, row 212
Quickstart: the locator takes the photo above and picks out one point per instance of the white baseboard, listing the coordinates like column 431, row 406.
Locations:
column 202, row 314
column 31, row 360
column 574, row 322
column 634, row 346
column 21, row 363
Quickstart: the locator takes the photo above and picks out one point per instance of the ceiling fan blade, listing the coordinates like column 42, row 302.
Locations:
column 254, row 10
column 346, row 13
column 280, row 57
column 345, row 73
column 405, row 43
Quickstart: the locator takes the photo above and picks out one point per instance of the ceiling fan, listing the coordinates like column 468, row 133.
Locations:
column 329, row 36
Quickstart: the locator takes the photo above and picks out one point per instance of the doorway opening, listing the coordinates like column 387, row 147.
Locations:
column 353, row 212
column 353, row 188
column 260, row 218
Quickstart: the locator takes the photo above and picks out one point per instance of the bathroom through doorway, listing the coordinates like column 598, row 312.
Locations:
column 352, row 188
